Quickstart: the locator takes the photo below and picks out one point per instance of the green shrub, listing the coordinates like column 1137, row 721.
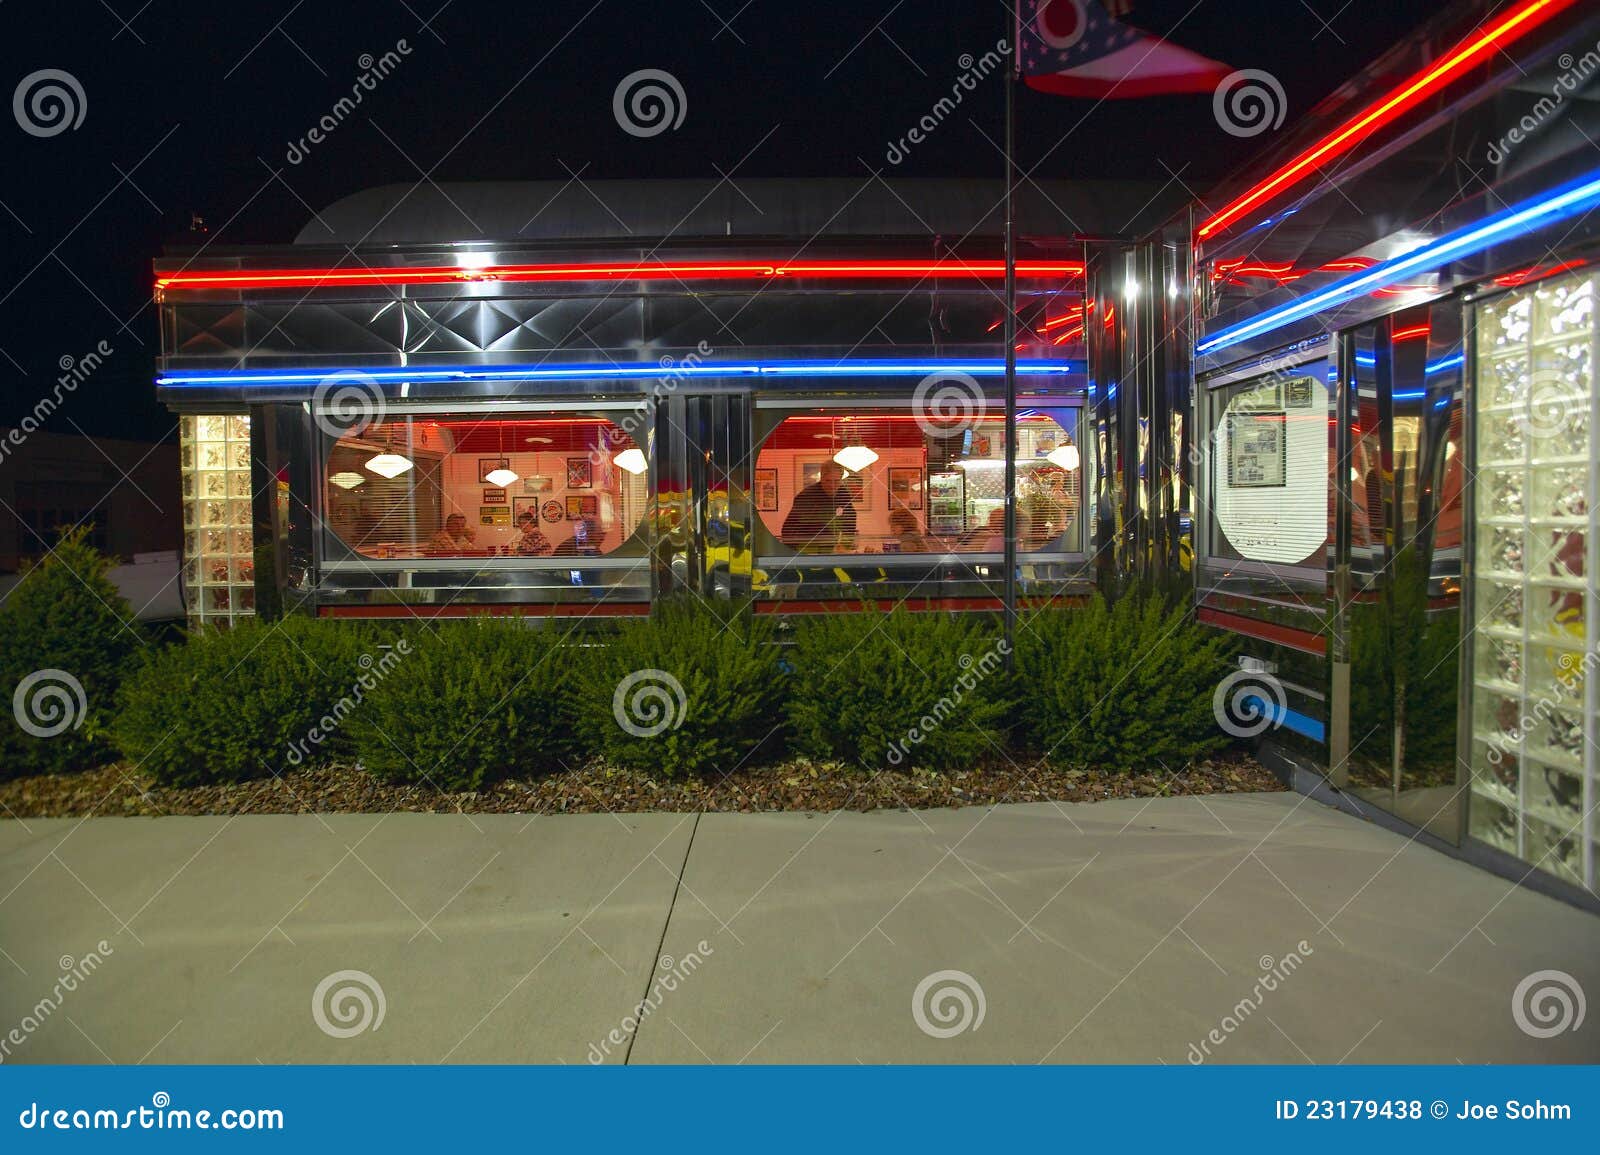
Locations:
column 471, row 703
column 1128, row 687
column 256, row 700
column 898, row 689
column 69, row 635
column 696, row 688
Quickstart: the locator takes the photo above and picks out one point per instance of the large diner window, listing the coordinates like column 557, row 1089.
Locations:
column 893, row 482
column 446, row 486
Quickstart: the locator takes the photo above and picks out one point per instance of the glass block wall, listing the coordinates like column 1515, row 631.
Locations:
column 218, row 553
column 1533, row 652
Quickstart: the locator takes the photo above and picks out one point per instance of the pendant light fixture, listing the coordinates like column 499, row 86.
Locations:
column 855, row 458
column 348, row 479
column 1066, row 456
column 389, row 465
column 502, row 476
column 632, row 460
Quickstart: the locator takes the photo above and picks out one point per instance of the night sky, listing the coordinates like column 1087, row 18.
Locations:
column 191, row 108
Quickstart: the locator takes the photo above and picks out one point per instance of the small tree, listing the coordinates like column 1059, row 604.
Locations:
column 67, row 637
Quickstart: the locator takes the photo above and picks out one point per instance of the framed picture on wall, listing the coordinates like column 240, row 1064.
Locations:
column 1257, row 454
column 766, row 490
column 551, row 510
column 580, row 473
column 905, row 486
column 807, row 473
column 522, row 505
column 487, row 465
column 494, row 497
column 538, row 484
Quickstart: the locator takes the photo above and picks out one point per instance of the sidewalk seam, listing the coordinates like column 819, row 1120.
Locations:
column 666, row 923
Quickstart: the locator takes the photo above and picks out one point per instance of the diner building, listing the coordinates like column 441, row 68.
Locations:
column 1346, row 400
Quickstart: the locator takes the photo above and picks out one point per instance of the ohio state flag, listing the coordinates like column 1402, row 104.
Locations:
column 1076, row 48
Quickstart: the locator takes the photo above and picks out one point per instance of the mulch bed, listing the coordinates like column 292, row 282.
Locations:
column 793, row 785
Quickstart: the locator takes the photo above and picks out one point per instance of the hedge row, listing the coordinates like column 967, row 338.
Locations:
column 695, row 690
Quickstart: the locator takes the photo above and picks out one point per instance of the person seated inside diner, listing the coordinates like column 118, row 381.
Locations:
column 907, row 533
column 823, row 518
column 455, row 537
column 530, row 542
column 585, row 540
column 994, row 539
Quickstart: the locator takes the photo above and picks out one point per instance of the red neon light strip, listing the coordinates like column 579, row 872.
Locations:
column 1466, row 55
column 1412, row 334
column 635, row 271
column 1523, row 276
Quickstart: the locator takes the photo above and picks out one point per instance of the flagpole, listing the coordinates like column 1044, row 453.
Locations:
column 1010, row 605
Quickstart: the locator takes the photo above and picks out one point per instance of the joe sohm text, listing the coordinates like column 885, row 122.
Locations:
column 1510, row 1111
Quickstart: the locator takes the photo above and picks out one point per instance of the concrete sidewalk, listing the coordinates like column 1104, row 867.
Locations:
column 1133, row 931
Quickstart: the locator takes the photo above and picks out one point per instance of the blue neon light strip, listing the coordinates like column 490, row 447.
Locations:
column 1291, row 720
column 1525, row 217
column 978, row 367
column 1368, row 361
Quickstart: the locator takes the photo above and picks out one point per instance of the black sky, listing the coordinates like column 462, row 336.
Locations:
column 191, row 108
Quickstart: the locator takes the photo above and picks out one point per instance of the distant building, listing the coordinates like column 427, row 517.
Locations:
column 126, row 490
